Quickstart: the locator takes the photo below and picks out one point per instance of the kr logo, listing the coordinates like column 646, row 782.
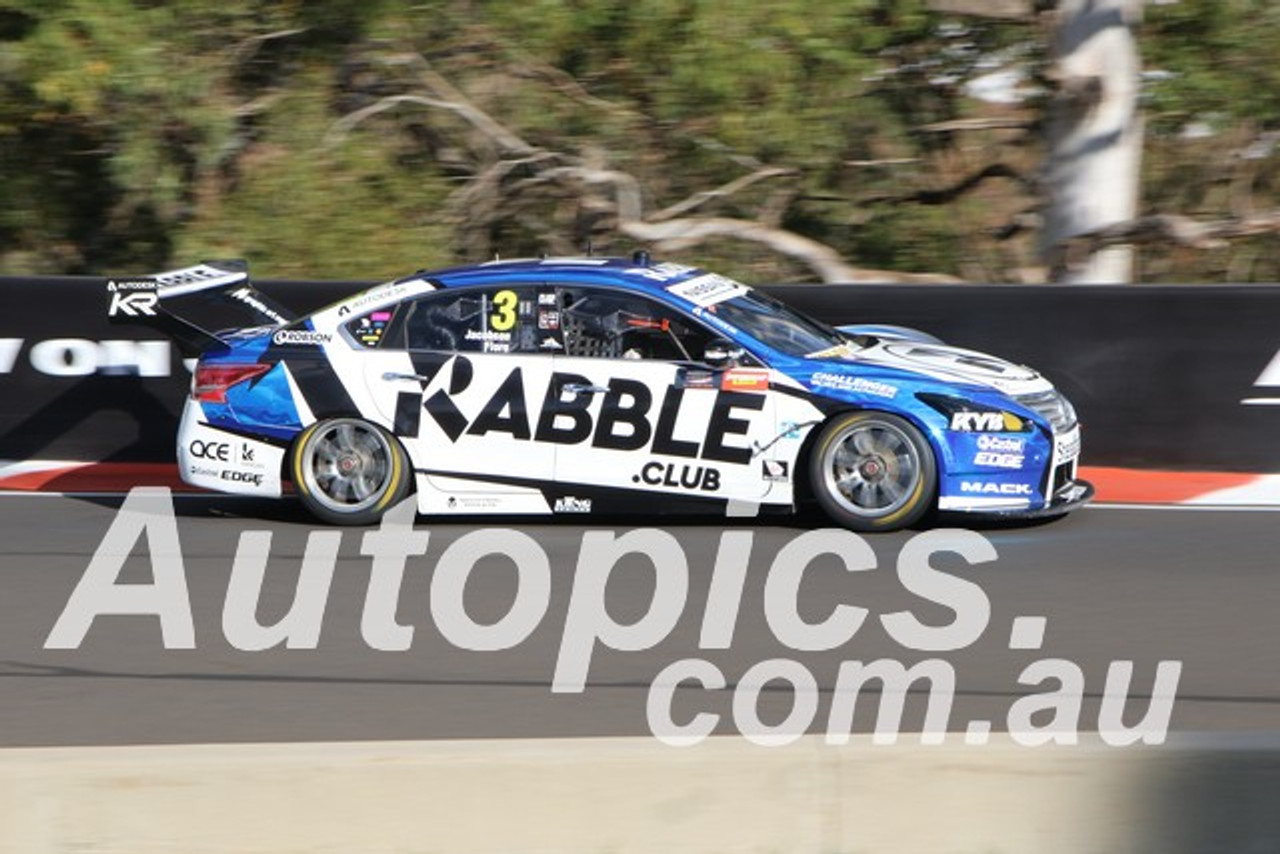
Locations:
column 132, row 304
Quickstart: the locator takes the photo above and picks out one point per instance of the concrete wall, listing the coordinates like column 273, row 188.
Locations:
column 613, row 796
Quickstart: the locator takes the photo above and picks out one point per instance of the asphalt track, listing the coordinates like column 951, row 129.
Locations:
column 1139, row 584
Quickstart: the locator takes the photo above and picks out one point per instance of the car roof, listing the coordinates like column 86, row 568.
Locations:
column 630, row 273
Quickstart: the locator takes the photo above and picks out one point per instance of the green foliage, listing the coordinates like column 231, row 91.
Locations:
column 136, row 134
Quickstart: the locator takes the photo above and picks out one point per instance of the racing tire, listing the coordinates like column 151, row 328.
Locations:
column 349, row 472
column 872, row 471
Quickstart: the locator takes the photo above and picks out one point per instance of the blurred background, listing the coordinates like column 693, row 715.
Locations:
column 775, row 141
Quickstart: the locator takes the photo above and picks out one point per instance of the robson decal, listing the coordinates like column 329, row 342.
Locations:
column 300, row 336
column 569, row 504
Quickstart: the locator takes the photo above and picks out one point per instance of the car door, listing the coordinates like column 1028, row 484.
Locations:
column 461, row 378
column 659, row 418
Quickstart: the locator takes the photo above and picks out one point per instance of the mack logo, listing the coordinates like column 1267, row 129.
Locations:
column 133, row 304
column 985, row 422
column 629, row 418
column 569, row 504
column 984, row 488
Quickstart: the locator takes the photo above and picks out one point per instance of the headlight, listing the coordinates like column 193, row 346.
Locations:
column 964, row 416
column 1052, row 406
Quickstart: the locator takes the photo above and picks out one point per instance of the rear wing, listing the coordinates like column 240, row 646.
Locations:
column 196, row 306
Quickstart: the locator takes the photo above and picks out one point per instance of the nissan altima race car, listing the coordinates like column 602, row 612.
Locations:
column 593, row 385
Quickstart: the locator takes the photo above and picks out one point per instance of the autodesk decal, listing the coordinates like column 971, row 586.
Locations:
column 954, row 612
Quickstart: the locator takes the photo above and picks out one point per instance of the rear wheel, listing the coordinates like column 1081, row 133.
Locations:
column 348, row 471
column 872, row 471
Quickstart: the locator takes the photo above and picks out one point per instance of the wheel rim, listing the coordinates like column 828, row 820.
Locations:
column 872, row 469
column 346, row 465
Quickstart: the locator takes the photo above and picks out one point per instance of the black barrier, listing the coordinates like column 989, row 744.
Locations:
column 1159, row 374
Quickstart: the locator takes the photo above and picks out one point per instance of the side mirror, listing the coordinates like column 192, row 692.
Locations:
column 721, row 353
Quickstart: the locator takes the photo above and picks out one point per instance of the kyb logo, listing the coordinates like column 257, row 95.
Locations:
column 985, row 422
column 79, row 357
column 132, row 298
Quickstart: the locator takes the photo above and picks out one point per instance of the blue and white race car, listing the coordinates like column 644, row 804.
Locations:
column 590, row 385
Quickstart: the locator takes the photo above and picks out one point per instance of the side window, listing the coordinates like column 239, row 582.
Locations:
column 488, row 320
column 615, row 325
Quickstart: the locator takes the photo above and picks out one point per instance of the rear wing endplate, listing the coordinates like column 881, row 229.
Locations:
column 195, row 306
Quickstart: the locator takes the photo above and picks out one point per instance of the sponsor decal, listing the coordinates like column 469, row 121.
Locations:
column 569, row 504
column 745, row 379
column 628, row 418
column 709, row 316
column 978, row 487
column 247, row 296
column 132, row 299
column 775, row 471
column 1008, row 444
column 549, row 320
column 547, row 299
column 369, row 330
column 202, row 450
column 1068, row 446
column 708, row 289
column 861, row 385
column 203, row 471
column 679, row 476
column 300, row 336
column 698, row 379
column 663, row 272
column 998, row 460
column 235, row 476
column 986, row 422
column 551, row 344
column 376, row 295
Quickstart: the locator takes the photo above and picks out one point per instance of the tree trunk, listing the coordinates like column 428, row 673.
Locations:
column 1095, row 138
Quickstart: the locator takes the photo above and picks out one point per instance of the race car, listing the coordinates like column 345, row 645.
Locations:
column 594, row 385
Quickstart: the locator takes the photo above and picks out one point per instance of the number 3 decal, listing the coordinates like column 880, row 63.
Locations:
column 505, row 316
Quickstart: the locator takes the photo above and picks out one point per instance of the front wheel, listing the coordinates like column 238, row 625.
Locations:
column 348, row 471
column 872, row 471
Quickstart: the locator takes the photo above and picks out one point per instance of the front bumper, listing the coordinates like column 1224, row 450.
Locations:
column 1072, row 496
